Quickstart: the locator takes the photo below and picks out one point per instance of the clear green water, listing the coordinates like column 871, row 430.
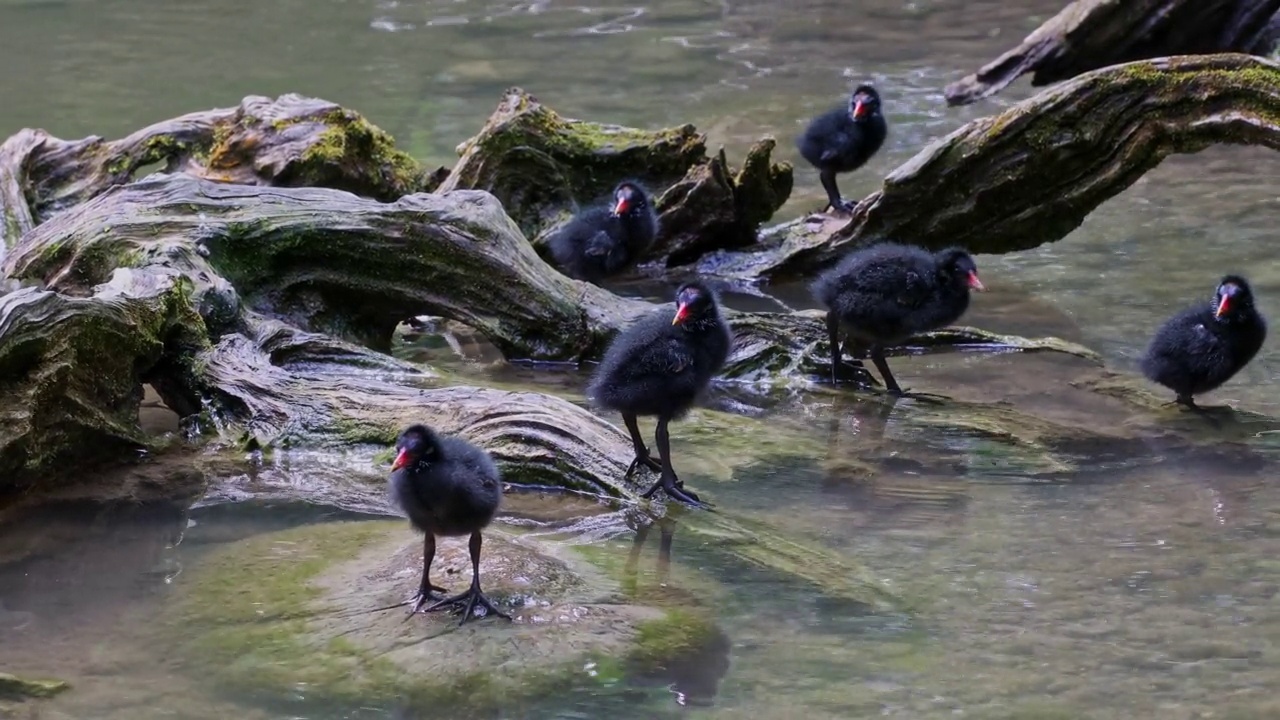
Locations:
column 1143, row 583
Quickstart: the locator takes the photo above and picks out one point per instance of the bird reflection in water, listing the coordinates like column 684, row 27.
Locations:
column 692, row 676
column 889, row 481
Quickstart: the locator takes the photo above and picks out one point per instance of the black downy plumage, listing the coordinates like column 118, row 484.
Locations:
column 602, row 242
column 1202, row 347
column 843, row 140
column 448, row 487
column 659, row 366
column 886, row 293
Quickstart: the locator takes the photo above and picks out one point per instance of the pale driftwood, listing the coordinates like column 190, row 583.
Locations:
column 289, row 141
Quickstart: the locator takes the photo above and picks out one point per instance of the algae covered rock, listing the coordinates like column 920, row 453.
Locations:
column 299, row 614
column 13, row 687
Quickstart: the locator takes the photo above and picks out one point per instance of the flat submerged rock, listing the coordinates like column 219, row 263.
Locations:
column 297, row 614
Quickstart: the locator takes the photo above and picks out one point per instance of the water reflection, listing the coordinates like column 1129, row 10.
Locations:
column 1126, row 570
column 694, row 676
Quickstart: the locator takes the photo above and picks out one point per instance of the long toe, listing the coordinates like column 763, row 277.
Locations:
column 422, row 598
column 449, row 603
column 676, row 491
column 647, row 461
column 689, row 498
column 466, row 603
column 853, row 371
column 933, row 398
column 489, row 608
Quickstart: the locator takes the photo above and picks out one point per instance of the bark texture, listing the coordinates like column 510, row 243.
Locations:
column 544, row 168
column 1092, row 34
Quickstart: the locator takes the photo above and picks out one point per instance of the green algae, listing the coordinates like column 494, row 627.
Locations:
column 15, row 687
column 247, row 616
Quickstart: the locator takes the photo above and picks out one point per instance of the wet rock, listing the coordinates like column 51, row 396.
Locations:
column 297, row 613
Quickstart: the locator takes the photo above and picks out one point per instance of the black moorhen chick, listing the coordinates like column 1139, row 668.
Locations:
column 1202, row 347
column 447, row 487
column 659, row 366
column 601, row 242
column 843, row 140
column 886, row 293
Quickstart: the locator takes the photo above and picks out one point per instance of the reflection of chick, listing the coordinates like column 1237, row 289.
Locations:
column 695, row 672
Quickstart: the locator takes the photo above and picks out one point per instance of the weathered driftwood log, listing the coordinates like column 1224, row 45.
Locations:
column 1091, row 34
column 1031, row 174
column 286, row 388
column 329, row 261
column 291, row 141
column 544, row 167
column 72, row 369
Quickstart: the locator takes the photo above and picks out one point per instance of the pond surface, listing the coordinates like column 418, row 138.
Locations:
column 1122, row 572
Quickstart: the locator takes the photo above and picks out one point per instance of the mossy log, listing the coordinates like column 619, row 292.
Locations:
column 1091, row 34
column 544, row 167
column 291, row 141
column 72, row 369
column 1031, row 174
column 328, row 261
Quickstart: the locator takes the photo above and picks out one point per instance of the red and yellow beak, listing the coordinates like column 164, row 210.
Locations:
column 975, row 283
column 622, row 206
column 1224, row 306
column 402, row 459
column 682, row 314
column 859, row 109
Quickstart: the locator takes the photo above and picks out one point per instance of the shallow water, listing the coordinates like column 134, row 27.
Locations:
column 1126, row 577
